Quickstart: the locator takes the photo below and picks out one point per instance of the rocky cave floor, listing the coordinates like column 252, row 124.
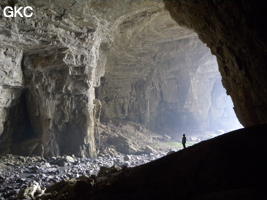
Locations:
column 231, row 166
column 21, row 177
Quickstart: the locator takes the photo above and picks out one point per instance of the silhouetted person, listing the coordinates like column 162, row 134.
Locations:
column 42, row 151
column 184, row 141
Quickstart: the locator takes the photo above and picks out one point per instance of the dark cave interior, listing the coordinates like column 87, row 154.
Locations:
column 95, row 96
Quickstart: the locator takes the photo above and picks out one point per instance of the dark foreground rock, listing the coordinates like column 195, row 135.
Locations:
column 232, row 166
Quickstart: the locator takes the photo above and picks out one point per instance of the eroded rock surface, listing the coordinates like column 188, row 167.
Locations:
column 60, row 56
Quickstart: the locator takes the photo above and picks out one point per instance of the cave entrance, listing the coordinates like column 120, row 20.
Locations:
column 181, row 93
column 162, row 78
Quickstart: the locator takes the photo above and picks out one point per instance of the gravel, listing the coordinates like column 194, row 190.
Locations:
column 18, row 173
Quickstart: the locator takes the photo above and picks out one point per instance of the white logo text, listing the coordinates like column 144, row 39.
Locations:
column 18, row 11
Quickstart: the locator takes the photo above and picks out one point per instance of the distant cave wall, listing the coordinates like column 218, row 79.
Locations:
column 177, row 93
column 235, row 31
column 221, row 114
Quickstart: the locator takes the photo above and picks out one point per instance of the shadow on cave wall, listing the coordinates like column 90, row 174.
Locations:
column 18, row 137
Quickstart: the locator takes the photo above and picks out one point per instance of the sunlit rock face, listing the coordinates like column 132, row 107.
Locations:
column 168, row 93
column 235, row 32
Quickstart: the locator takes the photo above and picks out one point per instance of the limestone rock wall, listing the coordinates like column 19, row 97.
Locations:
column 61, row 54
column 51, row 59
column 235, row 32
column 11, row 89
column 11, row 79
column 181, row 91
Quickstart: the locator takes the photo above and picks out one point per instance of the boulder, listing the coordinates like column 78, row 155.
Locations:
column 33, row 191
column 70, row 159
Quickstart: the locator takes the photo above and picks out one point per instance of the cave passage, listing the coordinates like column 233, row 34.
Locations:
column 104, row 91
column 139, row 75
column 207, row 110
column 178, row 91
